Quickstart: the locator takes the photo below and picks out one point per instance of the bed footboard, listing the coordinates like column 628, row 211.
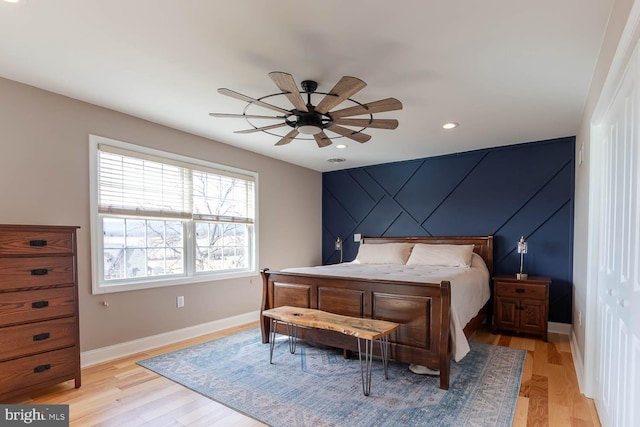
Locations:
column 422, row 310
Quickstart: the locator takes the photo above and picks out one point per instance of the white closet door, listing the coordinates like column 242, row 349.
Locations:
column 616, row 162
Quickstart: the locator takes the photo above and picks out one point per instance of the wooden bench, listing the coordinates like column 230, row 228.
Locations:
column 369, row 330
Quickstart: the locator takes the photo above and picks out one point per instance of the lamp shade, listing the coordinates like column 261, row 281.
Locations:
column 522, row 249
column 522, row 246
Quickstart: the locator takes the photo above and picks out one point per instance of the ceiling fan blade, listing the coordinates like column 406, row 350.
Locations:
column 389, row 104
column 244, row 116
column 346, row 87
column 368, row 123
column 287, row 85
column 241, row 97
column 356, row 136
column 288, row 138
column 322, row 139
column 260, row 129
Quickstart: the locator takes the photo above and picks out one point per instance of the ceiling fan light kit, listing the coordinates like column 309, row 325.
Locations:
column 309, row 120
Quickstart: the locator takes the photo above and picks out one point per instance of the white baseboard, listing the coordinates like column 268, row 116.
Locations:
column 578, row 363
column 99, row 355
column 559, row 328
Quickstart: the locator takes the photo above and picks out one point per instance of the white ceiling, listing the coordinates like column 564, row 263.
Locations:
column 509, row 71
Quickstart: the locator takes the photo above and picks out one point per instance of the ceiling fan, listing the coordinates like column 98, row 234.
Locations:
column 306, row 119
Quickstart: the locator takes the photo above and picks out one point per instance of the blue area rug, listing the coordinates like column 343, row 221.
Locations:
column 318, row 387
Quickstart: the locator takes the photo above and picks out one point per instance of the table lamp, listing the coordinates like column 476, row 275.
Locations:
column 522, row 249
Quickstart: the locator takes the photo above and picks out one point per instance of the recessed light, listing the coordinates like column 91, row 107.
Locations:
column 450, row 125
column 336, row 160
column 341, row 146
column 13, row 3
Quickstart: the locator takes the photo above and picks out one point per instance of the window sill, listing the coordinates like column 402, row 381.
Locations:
column 161, row 283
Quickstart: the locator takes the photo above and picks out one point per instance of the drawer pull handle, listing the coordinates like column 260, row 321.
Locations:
column 37, row 243
column 519, row 291
column 42, row 337
column 41, row 368
column 39, row 272
column 40, row 304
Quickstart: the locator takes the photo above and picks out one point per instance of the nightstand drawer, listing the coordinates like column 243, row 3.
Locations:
column 31, row 338
column 520, row 290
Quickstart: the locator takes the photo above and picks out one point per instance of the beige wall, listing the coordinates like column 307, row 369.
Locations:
column 617, row 21
column 44, row 179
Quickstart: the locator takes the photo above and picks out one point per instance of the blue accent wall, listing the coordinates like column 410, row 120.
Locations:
column 519, row 190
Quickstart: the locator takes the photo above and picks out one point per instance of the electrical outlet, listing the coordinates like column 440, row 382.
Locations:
column 579, row 318
column 357, row 237
column 180, row 302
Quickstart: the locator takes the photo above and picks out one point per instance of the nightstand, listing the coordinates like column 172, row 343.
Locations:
column 521, row 305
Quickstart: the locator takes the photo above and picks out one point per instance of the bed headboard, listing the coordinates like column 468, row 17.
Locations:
column 483, row 245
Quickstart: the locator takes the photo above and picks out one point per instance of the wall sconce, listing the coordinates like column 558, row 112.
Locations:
column 339, row 246
column 522, row 249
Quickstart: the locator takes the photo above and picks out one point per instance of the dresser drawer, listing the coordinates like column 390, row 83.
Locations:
column 27, row 371
column 30, row 338
column 16, row 273
column 38, row 304
column 32, row 242
column 518, row 290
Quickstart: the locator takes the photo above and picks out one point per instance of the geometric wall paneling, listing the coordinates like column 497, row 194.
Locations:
column 342, row 222
column 349, row 194
column 525, row 189
column 501, row 184
column 550, row 251
column 392, row 176
column 433, row 182
column 367, row 183
column 534, row 212
column 381, row 216
column 405, row 225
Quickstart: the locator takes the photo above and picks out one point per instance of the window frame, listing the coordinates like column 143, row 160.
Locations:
column 99, row 286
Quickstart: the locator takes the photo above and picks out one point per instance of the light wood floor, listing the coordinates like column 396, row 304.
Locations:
column 121, row 393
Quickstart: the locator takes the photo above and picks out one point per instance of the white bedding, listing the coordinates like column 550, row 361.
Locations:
column 469, row 287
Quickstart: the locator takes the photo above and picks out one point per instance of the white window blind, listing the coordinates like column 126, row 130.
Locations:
column 138, row 184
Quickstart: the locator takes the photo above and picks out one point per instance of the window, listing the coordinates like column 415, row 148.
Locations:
column 159, row 219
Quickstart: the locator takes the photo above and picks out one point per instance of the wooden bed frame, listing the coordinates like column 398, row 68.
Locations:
column 422, row 309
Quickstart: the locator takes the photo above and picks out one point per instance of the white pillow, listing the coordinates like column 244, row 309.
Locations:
column 441, row 255
column 383, row 253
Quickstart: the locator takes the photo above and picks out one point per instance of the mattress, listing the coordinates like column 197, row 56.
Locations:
column 469, row 287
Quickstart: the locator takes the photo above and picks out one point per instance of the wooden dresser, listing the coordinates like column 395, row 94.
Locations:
column 39, row 335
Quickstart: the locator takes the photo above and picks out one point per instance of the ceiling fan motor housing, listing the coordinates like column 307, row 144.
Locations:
column 309, row 123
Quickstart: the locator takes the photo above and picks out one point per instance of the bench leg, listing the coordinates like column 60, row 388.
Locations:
column 292, row 331
column 366, row 366
column 272, row 332
column 384, row 352
column 368, row 358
